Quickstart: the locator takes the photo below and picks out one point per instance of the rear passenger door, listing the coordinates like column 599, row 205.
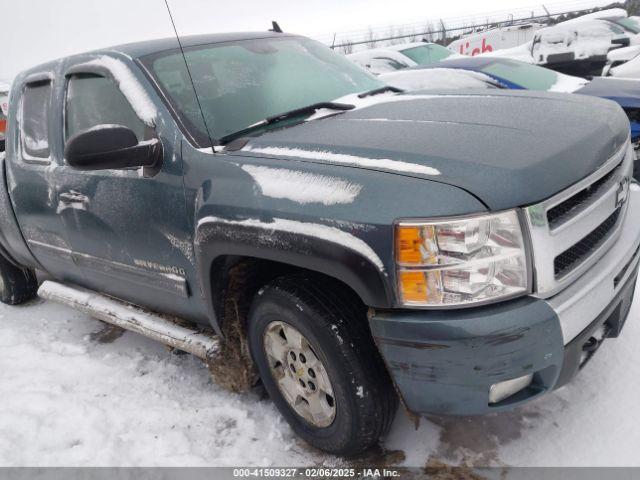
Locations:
column 33, row 177
column 127, row 228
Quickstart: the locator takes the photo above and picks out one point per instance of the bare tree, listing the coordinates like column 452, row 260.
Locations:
column 347, row 46
column 443, row 29
column 371, row 38
column 413, row 37
column 429, row 32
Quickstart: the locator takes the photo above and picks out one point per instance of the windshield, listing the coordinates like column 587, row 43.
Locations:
column 530, row 77
column 241, row 83
column 427, row 54
column 631, row 24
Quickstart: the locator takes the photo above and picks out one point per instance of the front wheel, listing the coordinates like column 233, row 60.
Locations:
column 317, row 361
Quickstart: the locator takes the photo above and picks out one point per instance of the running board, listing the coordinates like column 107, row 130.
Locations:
column 130, row 317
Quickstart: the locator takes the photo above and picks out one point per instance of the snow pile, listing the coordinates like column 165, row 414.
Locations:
column 130, row 88
column 303, row 187
column 69, row 401
column 66, row 400
column 351, row 160
column 436, row 78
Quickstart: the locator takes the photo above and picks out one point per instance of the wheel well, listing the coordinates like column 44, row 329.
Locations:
column 235, row 281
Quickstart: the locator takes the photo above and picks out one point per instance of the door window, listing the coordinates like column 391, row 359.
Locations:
column 93, row 100
column 35, row 119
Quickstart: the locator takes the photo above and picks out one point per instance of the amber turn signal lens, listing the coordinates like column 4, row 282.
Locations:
column 413, row 286
column 408, row 241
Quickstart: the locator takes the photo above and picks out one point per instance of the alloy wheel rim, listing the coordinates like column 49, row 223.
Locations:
column 300, row 375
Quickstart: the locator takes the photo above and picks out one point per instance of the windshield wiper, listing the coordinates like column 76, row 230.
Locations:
column 376, row 91
column 309, row 109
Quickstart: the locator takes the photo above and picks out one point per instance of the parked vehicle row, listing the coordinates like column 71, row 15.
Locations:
column 493, row 71
column 590, row 45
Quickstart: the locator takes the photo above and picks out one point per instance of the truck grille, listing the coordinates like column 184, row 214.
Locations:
column 571, row 257
column 567, row 209
column 572, row 230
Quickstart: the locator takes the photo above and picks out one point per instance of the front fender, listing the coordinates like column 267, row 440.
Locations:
column 312, row 246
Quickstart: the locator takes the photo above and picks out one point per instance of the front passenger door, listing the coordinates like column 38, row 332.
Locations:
column 128, row 232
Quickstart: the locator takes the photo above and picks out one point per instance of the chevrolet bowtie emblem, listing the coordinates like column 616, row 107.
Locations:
column 623, row 192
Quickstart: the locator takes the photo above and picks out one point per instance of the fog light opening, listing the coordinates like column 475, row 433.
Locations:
column 503, row 390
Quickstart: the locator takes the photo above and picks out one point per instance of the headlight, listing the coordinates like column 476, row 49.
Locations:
column 463, row 261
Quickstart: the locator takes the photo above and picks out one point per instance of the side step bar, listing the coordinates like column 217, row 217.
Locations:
column 136, row 319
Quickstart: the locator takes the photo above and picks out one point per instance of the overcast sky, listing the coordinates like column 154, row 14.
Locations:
column 34, row 31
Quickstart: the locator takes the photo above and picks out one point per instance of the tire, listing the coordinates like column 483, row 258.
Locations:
column 17, row 285
column 335, row 333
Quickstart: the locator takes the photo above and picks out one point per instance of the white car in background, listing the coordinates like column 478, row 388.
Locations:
column 623, row 63
column 573, row 40
column 398, row 57
column 438, row 79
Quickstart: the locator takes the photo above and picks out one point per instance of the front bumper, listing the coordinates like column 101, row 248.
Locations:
column 446, row 361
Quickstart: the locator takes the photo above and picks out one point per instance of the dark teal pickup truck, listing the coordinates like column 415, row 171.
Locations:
column 264, row 204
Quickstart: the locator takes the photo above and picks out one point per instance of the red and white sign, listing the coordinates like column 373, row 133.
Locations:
column 495, row 39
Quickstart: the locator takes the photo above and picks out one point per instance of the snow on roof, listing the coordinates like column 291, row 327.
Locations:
column 521, row 53
column 585, row 39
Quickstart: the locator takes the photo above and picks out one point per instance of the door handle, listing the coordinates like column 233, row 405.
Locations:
column 73, row 197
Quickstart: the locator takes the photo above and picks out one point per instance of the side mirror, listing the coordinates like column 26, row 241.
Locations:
column 106, row 147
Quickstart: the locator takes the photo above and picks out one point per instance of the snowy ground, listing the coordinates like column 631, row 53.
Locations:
column 68, row 399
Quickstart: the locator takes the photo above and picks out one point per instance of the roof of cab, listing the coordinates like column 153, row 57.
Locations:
column 148, row 47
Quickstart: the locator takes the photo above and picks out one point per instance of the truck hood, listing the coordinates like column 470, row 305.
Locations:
column 508, row 148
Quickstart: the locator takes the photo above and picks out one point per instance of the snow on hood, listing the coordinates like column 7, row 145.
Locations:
column 436, row 78
column 303, row 187
column 386, row 164
column 568, row 83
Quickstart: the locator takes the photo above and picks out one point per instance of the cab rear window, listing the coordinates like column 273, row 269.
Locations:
column 35, row 119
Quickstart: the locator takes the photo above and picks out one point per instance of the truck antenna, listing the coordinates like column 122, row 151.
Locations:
column 186, row 64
